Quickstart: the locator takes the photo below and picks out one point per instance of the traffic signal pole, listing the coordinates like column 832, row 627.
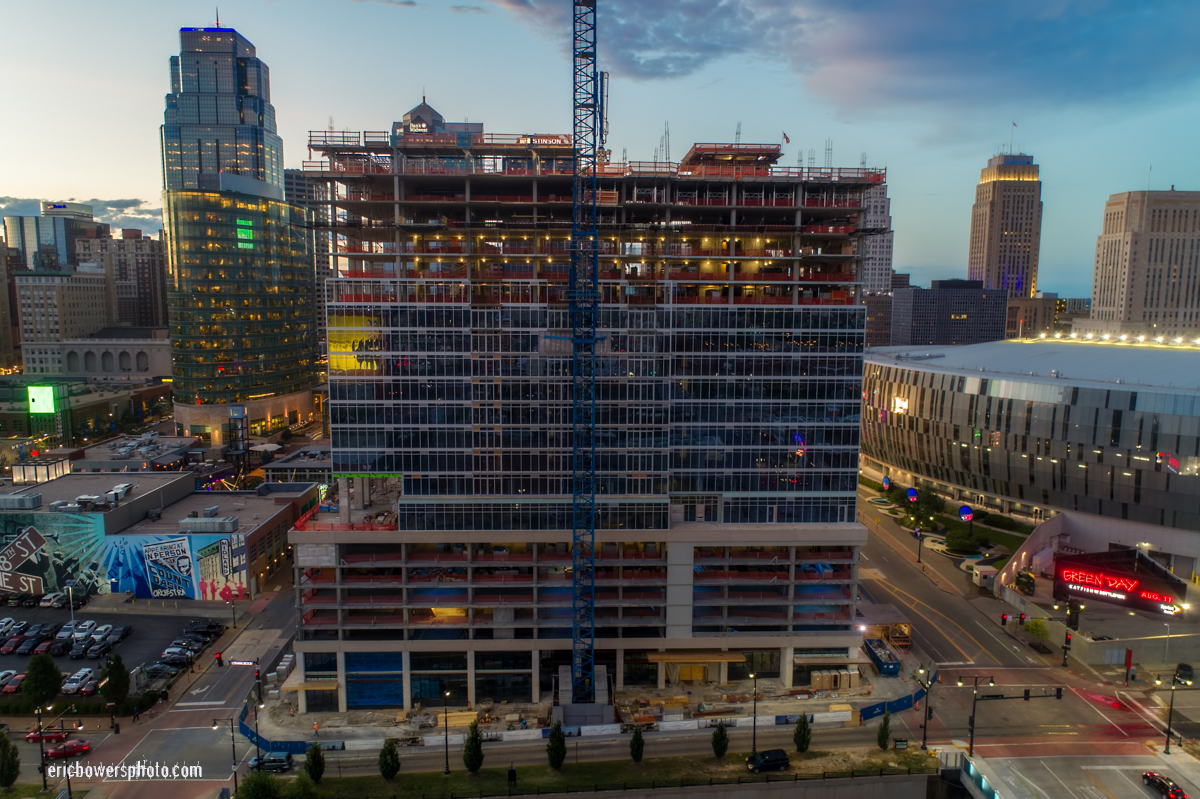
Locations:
column 976, row 699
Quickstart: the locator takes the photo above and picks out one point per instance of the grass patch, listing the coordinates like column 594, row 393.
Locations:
column 19, row 791
column 871, row 484
column 1010, row 540
column 694, row 768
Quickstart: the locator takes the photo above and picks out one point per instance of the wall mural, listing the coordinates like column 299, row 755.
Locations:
column 45, row 555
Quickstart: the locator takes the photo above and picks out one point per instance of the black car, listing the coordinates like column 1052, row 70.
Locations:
column 17, row 628
column 61, row 647
column 99, row 650
column 79, row 650
column 79, row 601
column 210, row 629
column 1165, row 786
column 175, row 660
column 119, row 633
column 190, row 644
column 768, row 760
column 156, row 670
column 27, row 646
column 15, row 600
column 32, row 600
column 1184, row 670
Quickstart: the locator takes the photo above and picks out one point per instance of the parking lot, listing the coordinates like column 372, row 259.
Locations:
column 151, row 634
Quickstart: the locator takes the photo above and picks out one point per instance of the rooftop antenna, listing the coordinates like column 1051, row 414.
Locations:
column 218, row 16
column 862, row 161
column 1148, row 175
column 1010, row 138
column 812, row 157
column 667, row 142
column 737, row 137
column 829, row 153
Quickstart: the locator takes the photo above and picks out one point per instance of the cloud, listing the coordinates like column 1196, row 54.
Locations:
column 467, row 10
column 401, row 3
column 898, row 51
column 118, row 213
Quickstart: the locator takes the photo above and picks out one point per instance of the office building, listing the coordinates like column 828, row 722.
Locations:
column 1006, row 226
column 1030, row 317
column 728, row 395
column 300, row 191
column 1104, row 435
column 113, row 354
column 136, row 267
column 877, row 248
column 50, row 242
column 1145, row 280
column 878, row 320
column 61, row 305
column 241, row 279
column 900, row 280
column 948, row 312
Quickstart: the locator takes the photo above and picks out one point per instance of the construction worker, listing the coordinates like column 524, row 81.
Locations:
column 316, row 730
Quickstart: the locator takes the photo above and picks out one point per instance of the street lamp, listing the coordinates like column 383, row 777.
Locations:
column 754, row 723
column 446, row 724
column 233, row 611
column 71, row 602
column 42, row 745
column 232, row 747
column 1167, row 645
column 974, row 705
column 1175, row 680
column 928, row 686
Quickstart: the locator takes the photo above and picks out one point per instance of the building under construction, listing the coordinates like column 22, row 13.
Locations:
column 728, row 392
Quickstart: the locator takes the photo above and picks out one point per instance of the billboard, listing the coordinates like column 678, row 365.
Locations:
column 41, row 399
column 1130, row 585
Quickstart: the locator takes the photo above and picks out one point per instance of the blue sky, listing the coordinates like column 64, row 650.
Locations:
column 1100, row 91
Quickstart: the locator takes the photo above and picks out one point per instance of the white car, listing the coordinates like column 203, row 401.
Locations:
column 67, row 631
column 6, row 676
column 83, row 630
column 101, row 632
column 6, row 623
column 77, row 681
column 49, row 599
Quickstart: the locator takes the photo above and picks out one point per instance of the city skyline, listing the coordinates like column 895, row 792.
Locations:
column 921, row 133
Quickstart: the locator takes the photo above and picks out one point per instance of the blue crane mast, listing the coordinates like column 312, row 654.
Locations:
column 584, row 299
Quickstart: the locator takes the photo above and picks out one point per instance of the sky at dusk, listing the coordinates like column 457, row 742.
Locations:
column 1101, row 91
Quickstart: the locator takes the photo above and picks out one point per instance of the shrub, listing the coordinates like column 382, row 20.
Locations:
column 303, row 787
column 720, row 740
column 116, row 680
column 260, row 785
column 885, row 731
column 556, row 747
column 389, row 760
column 473, row 749
column 637, row 745
column 10, row 762
column 314, row 763
column 1037, row 629
column 871, row 484
column 802, row 735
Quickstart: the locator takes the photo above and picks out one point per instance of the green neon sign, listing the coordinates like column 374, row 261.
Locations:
column 41, row 399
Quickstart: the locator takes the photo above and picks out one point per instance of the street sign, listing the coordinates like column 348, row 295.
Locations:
column 1056, row 618
column 241, row 663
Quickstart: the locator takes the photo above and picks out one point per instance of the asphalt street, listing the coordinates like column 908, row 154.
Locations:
column 1081, row 777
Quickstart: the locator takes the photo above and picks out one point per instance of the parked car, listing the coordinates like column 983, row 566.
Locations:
column 77, row 681
column 69, row 749
column 79, row 649
column 34, row 629
column 15, row 600
column 26, row 647
column 157, row 670
column 98, row 649
column 119, row 633
column 210, row 629
column 60, row 601
column 31, row 601
column 770, row 759
column 5, row 676
column 175, row 660
column 272, row 761
column 49, row 599
column 1184, row 670
column 6, row 623
column 1165, row 786
column 80, row 599
column 18, row 628
column 83, row 630
column 44, row 647
column 13, row 686
column 190, row 644
column 181, row 651
column 48, row 736
column 11, row 645
column 66, row 631
column 90, row 688
column 101, row 632
column 61, row 646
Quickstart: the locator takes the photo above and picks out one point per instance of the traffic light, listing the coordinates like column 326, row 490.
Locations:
column 1022, row 619
column 1058, row 693
column 219, row 661
column 1003, row 619
column 1026, row 694
column 1067, row 643
column 928, row 711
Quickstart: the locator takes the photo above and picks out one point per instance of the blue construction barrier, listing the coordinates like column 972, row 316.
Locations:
column 292, row 747
column 895, row 706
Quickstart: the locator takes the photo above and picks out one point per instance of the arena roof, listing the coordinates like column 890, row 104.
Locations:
column 1105, row 364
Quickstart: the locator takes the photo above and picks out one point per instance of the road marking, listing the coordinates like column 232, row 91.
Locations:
column 201, row 704
column 1055, row 776
column 896, row 592
column 1016, row 648
column 1101, row 715
column 870, row 574
column 1092, row 777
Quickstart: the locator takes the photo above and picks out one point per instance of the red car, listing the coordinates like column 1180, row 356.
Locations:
column 13, row 686
column 43, row 647
column 49, row 736
column 11, row 645
column 90, row 689
column 70, row 749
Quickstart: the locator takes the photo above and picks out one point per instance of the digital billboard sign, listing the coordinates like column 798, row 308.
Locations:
column 1134, row 589
column 41, row 399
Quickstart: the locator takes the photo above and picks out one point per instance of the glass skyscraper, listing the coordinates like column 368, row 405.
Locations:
column 219, row 116
column 240, row 290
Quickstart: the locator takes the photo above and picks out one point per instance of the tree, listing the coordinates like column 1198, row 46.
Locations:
column 43, row 681
column 389, row 760
column 260, row 785
column 885, row 731
column 473, row 749
column 928, row 503
column 637, row 745
column 303, row 787
column 1037, row 629
column 314, row 763
column 802, row 735
column 10, row 762
column 556, row 748
column 115, row 687
column 720, row 741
